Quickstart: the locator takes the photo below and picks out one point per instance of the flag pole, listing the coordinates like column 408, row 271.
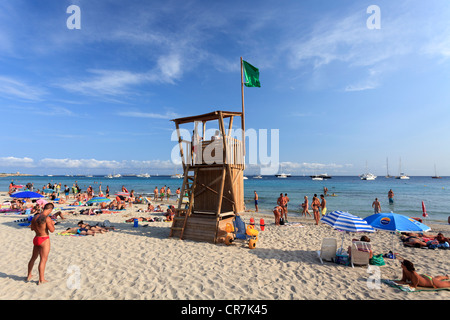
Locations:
column 243, row 114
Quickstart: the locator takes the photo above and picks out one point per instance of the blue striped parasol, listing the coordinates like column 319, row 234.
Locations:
column 344, row 221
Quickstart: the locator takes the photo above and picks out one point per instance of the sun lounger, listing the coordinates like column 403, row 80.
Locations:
column 328, row 250
column 360, row 253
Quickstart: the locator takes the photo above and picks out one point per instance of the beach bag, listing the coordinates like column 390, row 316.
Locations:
column 281, row 222
column 377, row 260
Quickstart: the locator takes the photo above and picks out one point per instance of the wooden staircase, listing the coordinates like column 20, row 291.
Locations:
column 182, row 214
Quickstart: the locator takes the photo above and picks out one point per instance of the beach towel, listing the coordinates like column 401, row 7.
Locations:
column 293, row 224
column 407, row 288
column 24, row 224
column 70, row 234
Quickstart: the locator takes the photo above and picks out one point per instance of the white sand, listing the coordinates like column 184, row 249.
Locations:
column 144, row 263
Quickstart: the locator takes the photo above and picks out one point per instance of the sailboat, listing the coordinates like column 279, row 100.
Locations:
column 435, row 174
column 402, row 176
column 368, row 175
column 387, row 169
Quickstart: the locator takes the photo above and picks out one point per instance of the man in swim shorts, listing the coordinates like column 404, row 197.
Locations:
column 41, row 225
column 256, row 202
column 323, row 204
column 391, row 196
column 376, row 206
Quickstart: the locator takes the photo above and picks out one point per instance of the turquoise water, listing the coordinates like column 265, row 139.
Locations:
column 353, row 194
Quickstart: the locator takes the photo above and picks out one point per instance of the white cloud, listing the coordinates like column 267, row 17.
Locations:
column 104, row 82
column 16, row 162
column 139, row 114
column 16, row 89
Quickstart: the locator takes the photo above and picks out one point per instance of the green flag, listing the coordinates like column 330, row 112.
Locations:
column 251, row 75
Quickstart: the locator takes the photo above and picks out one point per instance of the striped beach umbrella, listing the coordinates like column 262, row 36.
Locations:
column 344, row 221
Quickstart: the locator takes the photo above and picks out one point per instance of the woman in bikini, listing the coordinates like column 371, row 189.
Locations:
column 411, row 277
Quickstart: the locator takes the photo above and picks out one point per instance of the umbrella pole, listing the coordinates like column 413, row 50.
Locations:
column 342, row 244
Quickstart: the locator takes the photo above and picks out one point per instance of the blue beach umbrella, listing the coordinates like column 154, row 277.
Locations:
column 344, row 221
column 98, row 200
column 395, row 222
column 26, row 195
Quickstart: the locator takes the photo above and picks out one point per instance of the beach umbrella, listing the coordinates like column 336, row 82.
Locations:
column 344, row 221
column 26, row 195
column 424, row 210
column 394, row 222
column 17, row 187
column 98, row 200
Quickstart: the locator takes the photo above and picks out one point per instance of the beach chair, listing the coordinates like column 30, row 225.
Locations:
column 360, row 253
column 328, row 250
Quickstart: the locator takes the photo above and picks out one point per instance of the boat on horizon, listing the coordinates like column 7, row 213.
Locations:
column 368, row 176
column 401, row 176
column 283, row 175
column 323, row 176
column 435, row 174
column 143, row 175
column 257, row 177
column 316, row 178
column 177, row 176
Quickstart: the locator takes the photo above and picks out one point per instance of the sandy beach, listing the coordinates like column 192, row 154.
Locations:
column 145, row 264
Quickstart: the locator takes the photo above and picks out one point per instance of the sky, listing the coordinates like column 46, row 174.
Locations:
column 347, row 89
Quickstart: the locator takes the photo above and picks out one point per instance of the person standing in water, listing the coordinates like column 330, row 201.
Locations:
column 391, row 196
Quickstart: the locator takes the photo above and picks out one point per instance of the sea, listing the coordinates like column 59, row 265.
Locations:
column 345, row 193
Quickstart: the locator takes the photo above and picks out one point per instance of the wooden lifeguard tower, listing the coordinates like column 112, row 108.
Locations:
column 213, row 188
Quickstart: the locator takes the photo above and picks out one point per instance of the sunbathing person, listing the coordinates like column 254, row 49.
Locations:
column 139, row 219
column 77, row 230
column 169, row 214
column 158, row 209
column 150, row 208
column 411, row 277
column 56, row 215
column 363, row 239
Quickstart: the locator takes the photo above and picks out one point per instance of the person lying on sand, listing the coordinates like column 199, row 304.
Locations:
column 56, row 215
column 411, row 277
column 419, row 240
column 139, row 219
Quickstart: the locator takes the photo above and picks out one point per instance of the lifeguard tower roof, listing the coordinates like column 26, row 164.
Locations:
column 215, row 115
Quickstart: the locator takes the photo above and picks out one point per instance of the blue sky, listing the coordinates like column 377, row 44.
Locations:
column 100, row 99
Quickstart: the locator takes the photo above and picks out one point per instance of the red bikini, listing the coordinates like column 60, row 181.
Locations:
column 37, row 241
